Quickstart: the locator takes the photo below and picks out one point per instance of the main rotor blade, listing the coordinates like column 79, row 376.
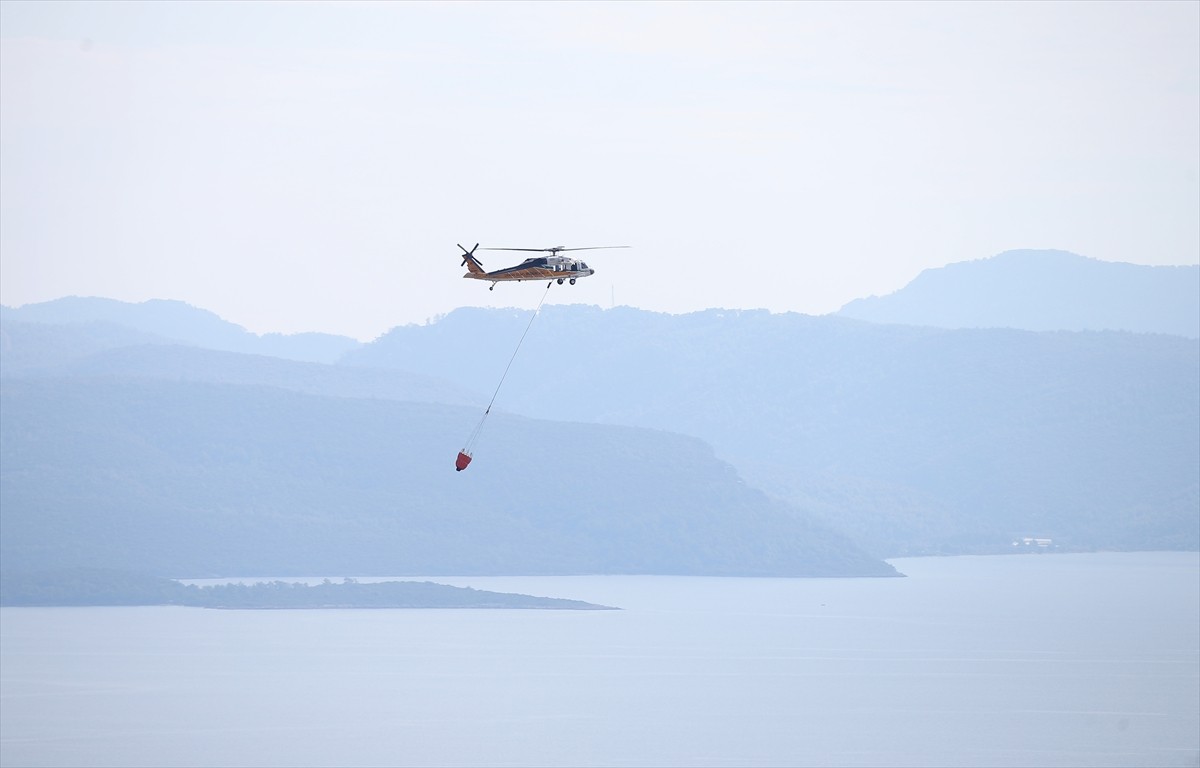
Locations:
column 556, row 250
column 592, row 248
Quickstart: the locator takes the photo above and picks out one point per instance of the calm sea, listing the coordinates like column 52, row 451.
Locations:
column 1023, row 660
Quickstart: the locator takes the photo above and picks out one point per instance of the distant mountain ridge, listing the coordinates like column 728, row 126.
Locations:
column 176, row 321
column 912, row 440
column 97, row 350
column 908, row 439
column 1044, row 290
column 121, row 448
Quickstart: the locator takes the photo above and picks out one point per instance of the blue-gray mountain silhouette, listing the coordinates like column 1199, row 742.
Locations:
column 189, row 479
column 910, row 440
column 1044, row 290
column 913, row 440
column 175, row 321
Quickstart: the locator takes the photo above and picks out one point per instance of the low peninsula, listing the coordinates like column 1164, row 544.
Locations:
column 100, row 587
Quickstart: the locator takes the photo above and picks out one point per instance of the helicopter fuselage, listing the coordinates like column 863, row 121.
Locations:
column 553, row 267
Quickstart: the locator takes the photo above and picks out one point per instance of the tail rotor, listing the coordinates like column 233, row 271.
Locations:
column 469, row 255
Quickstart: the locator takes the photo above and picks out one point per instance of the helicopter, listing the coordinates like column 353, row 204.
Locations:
column 552, row 267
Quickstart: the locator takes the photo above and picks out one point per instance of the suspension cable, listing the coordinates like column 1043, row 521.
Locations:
column 479, row 427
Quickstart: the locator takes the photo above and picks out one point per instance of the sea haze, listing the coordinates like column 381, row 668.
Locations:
column 1025, row 660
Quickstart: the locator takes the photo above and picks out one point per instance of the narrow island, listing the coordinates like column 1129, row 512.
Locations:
column 100, row 587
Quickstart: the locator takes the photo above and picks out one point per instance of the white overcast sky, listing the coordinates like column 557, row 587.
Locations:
column 309, row 166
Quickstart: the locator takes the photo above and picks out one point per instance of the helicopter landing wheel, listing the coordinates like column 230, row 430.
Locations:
column 572, row 281
column 560, row 281
column 491, row 287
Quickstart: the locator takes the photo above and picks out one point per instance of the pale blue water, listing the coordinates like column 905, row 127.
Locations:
column 1029, row 660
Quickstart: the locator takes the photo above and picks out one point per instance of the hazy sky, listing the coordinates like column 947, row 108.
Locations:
column 310, row 166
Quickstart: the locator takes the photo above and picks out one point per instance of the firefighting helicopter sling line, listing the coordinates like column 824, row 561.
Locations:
column 553, row 268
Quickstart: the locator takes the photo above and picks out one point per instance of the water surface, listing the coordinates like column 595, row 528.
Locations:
column 1024, row 660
